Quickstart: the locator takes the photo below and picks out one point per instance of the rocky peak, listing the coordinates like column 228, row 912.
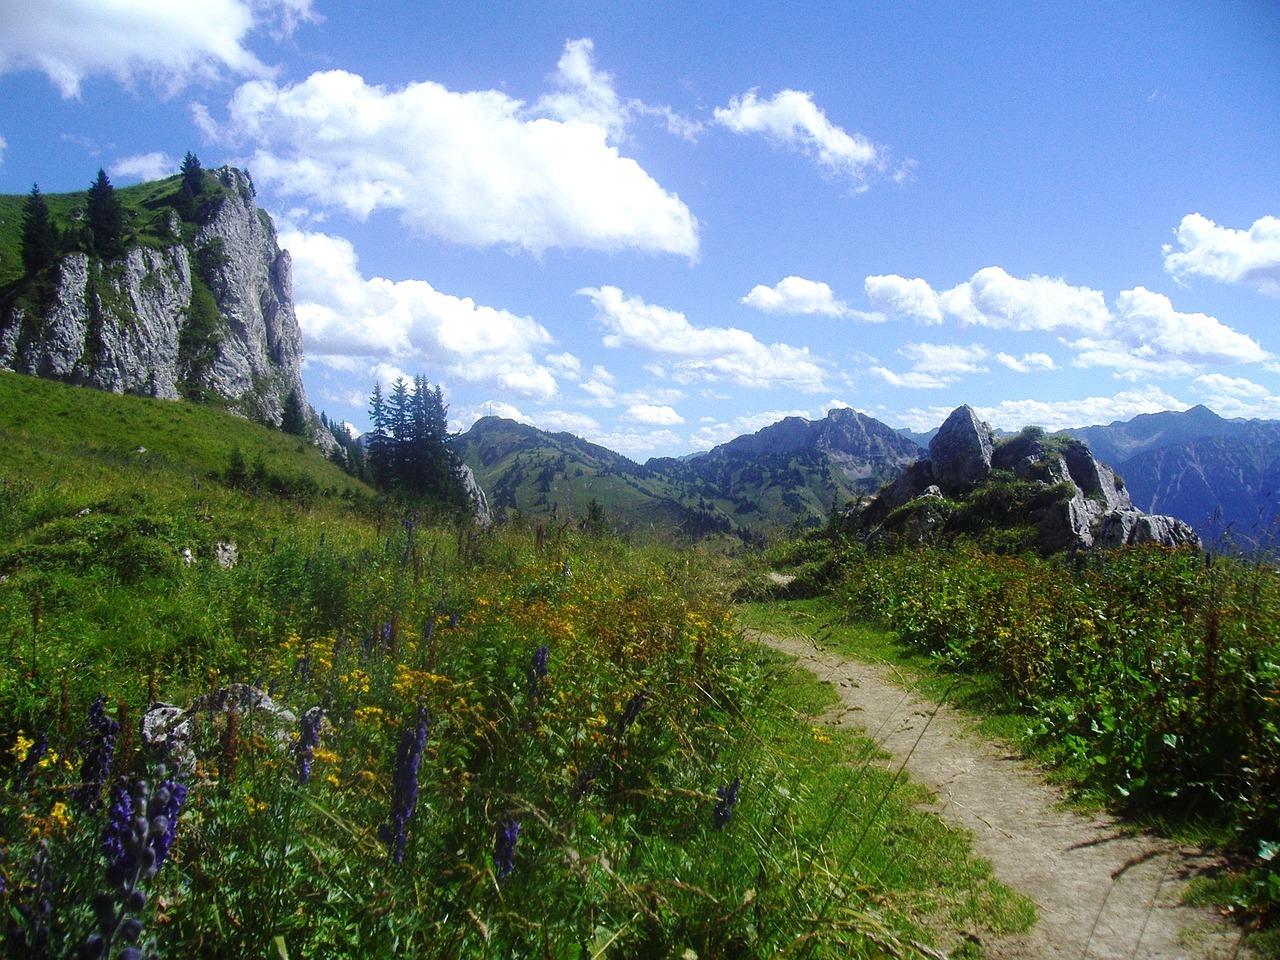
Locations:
column 961, row 450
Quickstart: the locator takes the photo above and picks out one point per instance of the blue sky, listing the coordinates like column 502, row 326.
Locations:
column 662, row 225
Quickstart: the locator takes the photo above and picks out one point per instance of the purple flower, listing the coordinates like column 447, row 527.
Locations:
column 404, row 790
column 100, row 745
column 308, row 739
column 724, row 806
column 140, row 830
column 630, row 713
column 504, row 847
column 537, row 671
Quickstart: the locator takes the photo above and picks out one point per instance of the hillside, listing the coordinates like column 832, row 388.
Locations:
column 786, row 476
column 528, row 472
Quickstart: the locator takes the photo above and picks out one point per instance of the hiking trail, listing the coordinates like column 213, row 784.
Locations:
column 1103, row 891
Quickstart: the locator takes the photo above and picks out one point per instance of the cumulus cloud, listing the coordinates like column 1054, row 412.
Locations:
column 701, row 353
column 713, row 433
column 658, row 416
column 898, row 295
column 1238, row 397
column 1150, row 338
column 934, row 365
column 346, row 315
column 165, row 43
column 796, row 295
column 790, row 117
column 1142, row 335
column 479, row 168
column 1027, row 362
column 1250, row 257
column 145, row 166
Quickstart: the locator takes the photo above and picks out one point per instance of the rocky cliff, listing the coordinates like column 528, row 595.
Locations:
column 206, row 315
column 1051, row 488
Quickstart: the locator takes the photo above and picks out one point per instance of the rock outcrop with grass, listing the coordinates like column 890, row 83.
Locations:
column 1029, row 491
column 199, row 307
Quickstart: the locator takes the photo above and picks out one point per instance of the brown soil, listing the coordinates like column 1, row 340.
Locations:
column 1102, row 890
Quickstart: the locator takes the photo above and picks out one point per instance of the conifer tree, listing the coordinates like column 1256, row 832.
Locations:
column 192, row 174
column 376, row 442
column 39, row 235
column 294, row 417
column 106, row 217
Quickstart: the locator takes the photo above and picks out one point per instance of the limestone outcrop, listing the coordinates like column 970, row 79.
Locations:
column 145, row 322
column 1073, row 500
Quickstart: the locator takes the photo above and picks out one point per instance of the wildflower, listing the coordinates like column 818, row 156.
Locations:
column 139, row 833
column 630, row 713
column 30, row 936
column 404, row 790
column 724, row 806
column 308, row 740
column 60, row 816
column 537, row 671
column 586, row 778
column 504, row 847
column 100, row 745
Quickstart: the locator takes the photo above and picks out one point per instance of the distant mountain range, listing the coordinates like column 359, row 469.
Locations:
column 1215, row 474
column 788, row 475
column 1221, row 476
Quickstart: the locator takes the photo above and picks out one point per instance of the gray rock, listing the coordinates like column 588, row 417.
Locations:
column 479, row 502
column 961, row 450
column 1132, row 527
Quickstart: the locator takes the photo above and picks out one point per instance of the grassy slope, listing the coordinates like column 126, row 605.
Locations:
column 96, row 600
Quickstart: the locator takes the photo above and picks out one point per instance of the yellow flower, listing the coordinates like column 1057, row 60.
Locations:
column 326, row 756
column 60, row 816
column 255, row 806
column 21, row 746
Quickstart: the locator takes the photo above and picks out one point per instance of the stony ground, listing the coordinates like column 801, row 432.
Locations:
column 1103, row 891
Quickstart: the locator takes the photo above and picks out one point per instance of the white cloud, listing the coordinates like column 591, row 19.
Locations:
column 478, row 169
column 145, row 166
column 1250, row 257
column 913, row 298
column 1238, row 397
column 2, row 146
column 992, row 298
column 702, row 353
column 796, row 295
column 344, row 314
column 586, row 94
column 1218, row 384
column 1052, row 415
column 169, row 44
column 658, row 416
column 564, row 364
column 1149, row 338
column 792, row 118
column 934, row 365
column 1027, row 362
column 1143, row 336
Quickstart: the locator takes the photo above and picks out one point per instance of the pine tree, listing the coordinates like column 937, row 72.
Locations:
column 376, row 441
column 106, row 218
column 294, row 418
column 39, row 235
column 192, row 174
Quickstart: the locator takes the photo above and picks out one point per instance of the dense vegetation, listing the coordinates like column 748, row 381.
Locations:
column 500, row 743
column 1150, row 676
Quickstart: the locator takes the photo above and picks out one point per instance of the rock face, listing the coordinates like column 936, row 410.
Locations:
column 1077, row 501
column 142, row 324
column 961, row 450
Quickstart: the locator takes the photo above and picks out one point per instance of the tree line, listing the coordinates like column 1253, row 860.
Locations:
column 104, row 229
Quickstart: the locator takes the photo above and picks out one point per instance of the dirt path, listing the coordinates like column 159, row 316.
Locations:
column 1103, row 893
